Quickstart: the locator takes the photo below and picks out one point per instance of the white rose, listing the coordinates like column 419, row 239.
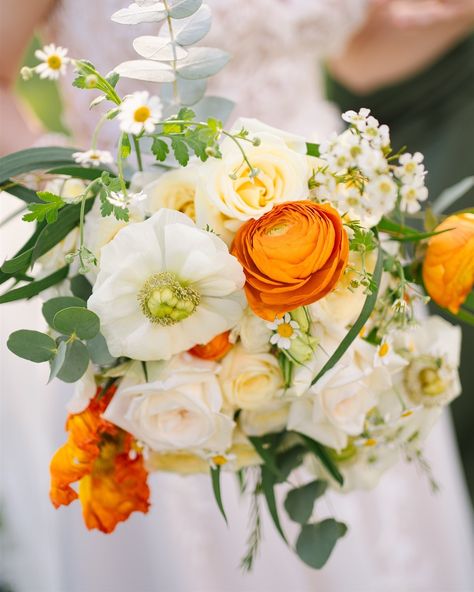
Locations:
column 268, row 419
column 180, row 411
column 224, row 203
column 253, row 332
column 173, row 189
column 84, row 390
column 250, row 381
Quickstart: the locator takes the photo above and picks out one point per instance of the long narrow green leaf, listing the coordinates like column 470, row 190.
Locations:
column 79, row 172
column 392, row 227
column 23, row 193
column 265, row 454
column 360, row 322
column 418, row 236
column 36, row 287
column 320, row 451
column 216, row 488
column 268, row 487
column 34, row 159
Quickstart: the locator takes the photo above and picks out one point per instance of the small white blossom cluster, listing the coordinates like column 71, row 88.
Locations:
column 411, row 172
column 357, row 176
column 52, row 65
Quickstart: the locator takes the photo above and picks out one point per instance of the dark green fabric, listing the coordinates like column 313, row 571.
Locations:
column 433, row 112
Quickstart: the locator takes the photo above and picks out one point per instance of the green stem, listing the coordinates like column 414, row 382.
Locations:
column 136, row 144
column 98, row 127
column 120, row 165
column 175, row 57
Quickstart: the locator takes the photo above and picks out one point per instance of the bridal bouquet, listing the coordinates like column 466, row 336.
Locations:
column 244, row 301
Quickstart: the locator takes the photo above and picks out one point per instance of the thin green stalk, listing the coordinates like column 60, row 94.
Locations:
column 120, row 165
column 175, row 57
column 136, row 144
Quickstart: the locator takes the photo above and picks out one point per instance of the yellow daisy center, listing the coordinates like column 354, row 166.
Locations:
column 142, row 114
column 219, row 460
column 384, row 349
column 54, row 62
column 285, row 330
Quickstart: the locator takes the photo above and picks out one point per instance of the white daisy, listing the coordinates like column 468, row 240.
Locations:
column 93, row 157
column 139, row 112
column 285, row 330
column 164, row 285
column 53, row 61
column 121, row 200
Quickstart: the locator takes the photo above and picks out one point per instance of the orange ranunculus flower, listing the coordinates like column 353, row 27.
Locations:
column 111, row 484
column 215, row 349
column 292, row 256
column 448, row 268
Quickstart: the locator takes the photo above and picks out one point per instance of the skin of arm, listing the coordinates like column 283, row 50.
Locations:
column 18, row 21
column 399, row 39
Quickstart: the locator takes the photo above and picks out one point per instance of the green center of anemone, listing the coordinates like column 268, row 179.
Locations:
column 166, row 301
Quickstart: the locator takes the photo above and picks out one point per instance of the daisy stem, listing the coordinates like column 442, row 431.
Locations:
column 175, row 57
column 120, row 165
column 98, row 127
column 136, row 144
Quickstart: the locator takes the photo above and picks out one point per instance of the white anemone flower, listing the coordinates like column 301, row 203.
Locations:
column 53, row 61
column 285, row 330
column 93, row 157
column 164, row 285
column 139, row 112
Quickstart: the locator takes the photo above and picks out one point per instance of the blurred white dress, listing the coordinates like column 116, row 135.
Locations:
column 402, row 538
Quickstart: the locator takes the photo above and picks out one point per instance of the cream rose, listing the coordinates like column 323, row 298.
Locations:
column 175, row 190
column 250, row 381
column 270, row 418
column 253, row 332
column 179, row 411
column 224, row 203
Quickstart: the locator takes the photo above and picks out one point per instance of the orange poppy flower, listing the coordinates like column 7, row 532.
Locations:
column 448, row 268
column 216, row 349
column 292, row 256
column 112, row 485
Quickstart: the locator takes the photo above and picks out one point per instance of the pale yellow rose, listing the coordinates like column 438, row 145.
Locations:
column 271, row 418
column 175, row 190
column 184, row 463
column 227, row 195
column 250, row 381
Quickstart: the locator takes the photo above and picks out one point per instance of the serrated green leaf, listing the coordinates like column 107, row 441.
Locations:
column 180, row 150
column 57, row 362
column 216, row 488
column 32, row 345
column 47, row 210
column 160, row 149
column 186, row 114
column 316, row 541
column 36, row 287
column 299, row 502
column 78, row 321
column 54, row 305
column 75, row 363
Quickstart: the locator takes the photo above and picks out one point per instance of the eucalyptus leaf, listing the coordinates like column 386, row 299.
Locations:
column 216, row 107
column 81, row 287
column 32, row 345
column 190, row 92
column 316, row 541
column 78, row 321
column 158, row 48
column 202, row 62
column 57, row 362
column 183, row 8
column 146, row 70
column 54, row 305
column 299, row 502
column 191, row 29
column 99, row 352
column 135, row 14
column 75, row 363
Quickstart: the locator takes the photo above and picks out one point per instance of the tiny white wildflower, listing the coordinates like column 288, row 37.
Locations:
column 93, row 157
column 411, row 197
column 53, row 61
column 285, row 330
column 139, row 112
column 359, row 120
column 411, row 167
column 119, row 199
